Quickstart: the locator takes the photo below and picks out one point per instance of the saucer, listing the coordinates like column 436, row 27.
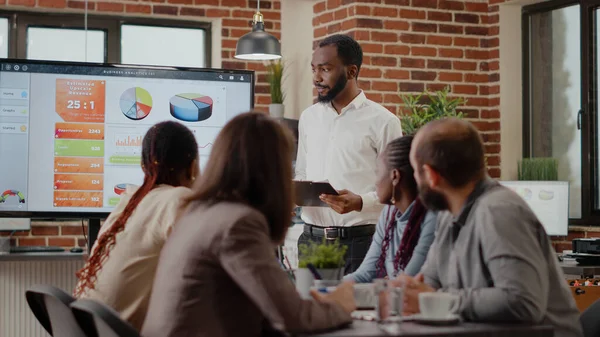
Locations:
column 448, row 320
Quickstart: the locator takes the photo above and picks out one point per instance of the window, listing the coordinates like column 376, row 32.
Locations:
column 4, row 37
column 559, row 118
column 178, row 46
column 62, row 37
column 65, row 44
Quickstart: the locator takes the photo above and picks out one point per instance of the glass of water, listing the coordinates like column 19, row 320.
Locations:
column 390, row 299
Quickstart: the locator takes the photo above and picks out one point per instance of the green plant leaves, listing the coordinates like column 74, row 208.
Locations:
column 326, row 255
column 537, row 169
column 438, row 106
column 274, row 78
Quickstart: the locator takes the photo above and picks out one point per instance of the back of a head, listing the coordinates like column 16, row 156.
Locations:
column 349, row 51
column 251, row 163
column 168, row 150
column 453, row 148
column 397, row 154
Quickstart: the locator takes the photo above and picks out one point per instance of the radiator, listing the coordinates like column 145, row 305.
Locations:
column 16, row 320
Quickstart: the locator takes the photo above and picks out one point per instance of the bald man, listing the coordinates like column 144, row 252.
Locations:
column 489, row 248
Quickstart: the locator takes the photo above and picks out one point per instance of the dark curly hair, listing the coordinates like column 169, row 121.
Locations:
column 397, row 158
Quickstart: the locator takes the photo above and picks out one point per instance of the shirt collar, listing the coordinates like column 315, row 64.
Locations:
column 404, row 216
column 356, row 103
column 481, row 187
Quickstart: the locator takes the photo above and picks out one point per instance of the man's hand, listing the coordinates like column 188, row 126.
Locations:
column 343, row 203
column 412, row 288
column 343, row 295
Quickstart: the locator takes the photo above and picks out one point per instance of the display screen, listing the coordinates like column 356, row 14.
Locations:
column 71, row 134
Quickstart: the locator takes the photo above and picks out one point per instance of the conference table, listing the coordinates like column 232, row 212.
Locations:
column 361, row 328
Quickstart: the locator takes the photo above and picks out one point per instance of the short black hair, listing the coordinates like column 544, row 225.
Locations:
column 349, row 51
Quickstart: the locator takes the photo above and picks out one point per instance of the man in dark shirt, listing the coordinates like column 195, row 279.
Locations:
column 489, row 249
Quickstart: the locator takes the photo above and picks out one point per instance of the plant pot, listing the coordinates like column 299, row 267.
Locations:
column 276, row 110
column 332, row 274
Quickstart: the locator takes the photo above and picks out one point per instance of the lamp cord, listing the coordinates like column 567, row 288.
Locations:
column 85, row 28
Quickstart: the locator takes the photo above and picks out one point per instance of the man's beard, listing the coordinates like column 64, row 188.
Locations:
column 340, row 84
column 433, row 200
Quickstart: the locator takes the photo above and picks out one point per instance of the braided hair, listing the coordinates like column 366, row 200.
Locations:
column 168, row 151
column 397, row 158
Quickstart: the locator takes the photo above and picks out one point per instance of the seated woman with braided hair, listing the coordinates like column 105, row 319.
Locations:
column 405, row 229
column 121, row 268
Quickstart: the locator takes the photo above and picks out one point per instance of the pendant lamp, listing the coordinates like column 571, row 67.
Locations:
column 258, row 45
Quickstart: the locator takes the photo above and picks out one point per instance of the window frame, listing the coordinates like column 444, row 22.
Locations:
column 587, row 116
column 19, row 21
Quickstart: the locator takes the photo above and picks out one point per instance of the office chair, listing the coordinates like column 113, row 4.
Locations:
column 589, row 320
column 98, row 320
column 50, row 305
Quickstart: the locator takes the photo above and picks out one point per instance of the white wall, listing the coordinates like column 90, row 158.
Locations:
column 296, row 45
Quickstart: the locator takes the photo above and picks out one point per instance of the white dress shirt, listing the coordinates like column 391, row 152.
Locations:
column 342, row 149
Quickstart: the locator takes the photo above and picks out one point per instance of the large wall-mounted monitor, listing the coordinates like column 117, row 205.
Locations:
column 549, row 201
column 70, row 133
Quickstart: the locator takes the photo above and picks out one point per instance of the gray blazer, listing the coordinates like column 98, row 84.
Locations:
column 218, row 276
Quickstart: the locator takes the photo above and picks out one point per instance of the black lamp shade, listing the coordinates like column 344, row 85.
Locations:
column 258, row 45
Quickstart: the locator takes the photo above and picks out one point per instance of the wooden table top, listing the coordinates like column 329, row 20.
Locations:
column 464, row 329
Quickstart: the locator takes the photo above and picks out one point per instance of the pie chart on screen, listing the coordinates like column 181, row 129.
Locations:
column 191, row 107
column 136, row 103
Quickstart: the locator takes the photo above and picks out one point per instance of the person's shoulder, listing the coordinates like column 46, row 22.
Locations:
column 170, row 195
column 430, row 220
column 378, row 112
column 501, row 196
column 504, row 202
column 237, row 212
column 311, row 110
column 379, row 109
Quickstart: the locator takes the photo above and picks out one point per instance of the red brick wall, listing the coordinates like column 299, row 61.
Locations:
column 237, row 17
column 412, row 45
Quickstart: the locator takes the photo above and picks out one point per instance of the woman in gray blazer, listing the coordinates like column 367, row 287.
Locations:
column 218, row 274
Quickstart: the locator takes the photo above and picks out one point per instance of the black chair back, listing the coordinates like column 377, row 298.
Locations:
column 104, row 321
column 50, row 305
column 590, row 320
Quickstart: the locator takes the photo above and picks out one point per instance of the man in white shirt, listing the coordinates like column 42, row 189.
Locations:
column 339, row 141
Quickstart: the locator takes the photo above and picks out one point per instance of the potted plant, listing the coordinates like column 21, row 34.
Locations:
column 327, row 257
column 433, row 106
column 537, row 169
column 274, row 78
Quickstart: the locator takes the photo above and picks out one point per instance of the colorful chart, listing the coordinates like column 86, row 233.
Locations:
column 9, row 193
column 191, row 107
column 136, row 103
column 120, row 188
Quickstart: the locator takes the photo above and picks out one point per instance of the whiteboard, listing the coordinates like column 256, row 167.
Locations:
column 549, row 201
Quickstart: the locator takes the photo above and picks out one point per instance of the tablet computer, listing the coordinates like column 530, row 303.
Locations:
column 308, row 192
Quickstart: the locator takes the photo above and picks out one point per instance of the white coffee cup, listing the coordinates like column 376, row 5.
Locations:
column 304, row 281
column 437, row 304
